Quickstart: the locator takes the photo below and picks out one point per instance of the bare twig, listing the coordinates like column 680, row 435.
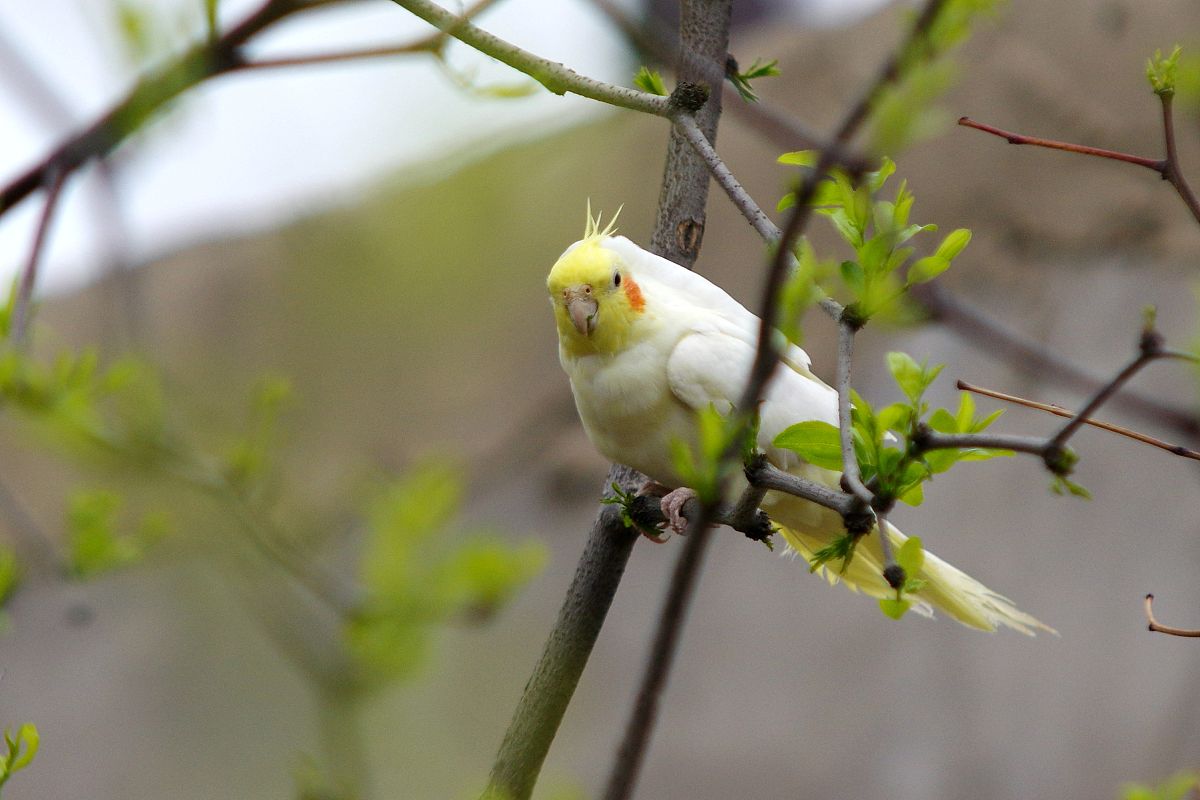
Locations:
column 1155, row 164
column 1155, row 626
column 1059, row 411
column 1030, row 356
column 1168, row 167
column 434, row 44
column 29, row 275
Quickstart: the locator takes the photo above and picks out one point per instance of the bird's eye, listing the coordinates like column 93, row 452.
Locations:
column 616, row 279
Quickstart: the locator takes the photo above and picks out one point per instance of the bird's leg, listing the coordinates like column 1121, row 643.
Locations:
column 672, row 508
column 653, row 488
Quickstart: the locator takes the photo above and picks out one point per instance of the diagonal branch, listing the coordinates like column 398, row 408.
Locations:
column 29, row 275
column 1059, row 411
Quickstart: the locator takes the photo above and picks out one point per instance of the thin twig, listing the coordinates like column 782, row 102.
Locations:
column 891, row 72
column 1059, row 411
column 1172, row 171
column 1157, row 627
column 1030, row 356
column 29, row 275
column 1017, row 138
column 432, row 44
column 1168, row 168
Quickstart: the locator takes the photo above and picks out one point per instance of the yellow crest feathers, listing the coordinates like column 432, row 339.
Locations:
column 593, row 229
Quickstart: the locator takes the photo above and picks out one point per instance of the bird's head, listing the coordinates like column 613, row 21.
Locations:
column 595, row 297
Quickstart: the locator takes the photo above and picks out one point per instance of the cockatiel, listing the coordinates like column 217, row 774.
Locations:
column 647, row 344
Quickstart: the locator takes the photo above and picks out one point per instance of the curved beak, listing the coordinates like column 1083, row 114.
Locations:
column 581, row 308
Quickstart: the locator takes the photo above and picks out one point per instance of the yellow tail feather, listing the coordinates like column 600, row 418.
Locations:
column 946, row 587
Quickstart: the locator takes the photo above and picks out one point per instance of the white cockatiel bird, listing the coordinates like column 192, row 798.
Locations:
column 648, row 343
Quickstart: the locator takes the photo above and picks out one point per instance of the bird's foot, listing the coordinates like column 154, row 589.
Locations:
column 672, row 508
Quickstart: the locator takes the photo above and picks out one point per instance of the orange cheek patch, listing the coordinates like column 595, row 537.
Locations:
column 634, row 293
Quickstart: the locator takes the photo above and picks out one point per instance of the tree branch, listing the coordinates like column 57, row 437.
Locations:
column 1059, row 411
column 1157, row 627
column 554, row 76
column 20, row 314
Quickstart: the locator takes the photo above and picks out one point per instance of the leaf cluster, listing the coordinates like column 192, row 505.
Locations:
column 1162, row 72
column 887, row 441
column 903, row 110
column 741, row 79
column 20, row 749
column 704, row 469
column 1176, row 787
column 420, row 572
column 879, row 231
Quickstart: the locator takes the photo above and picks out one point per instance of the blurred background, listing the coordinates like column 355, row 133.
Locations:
column 378, row 234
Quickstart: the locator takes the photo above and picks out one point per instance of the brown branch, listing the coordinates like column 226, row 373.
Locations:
column 1031, row 357
column 434, row 44
column 29, row 275
column 1158, row 165
column 1049, row 408
column 1168, row 168
column 1155, row 626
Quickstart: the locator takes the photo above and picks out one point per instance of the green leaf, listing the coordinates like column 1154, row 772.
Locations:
column 907, row 374
column 10, row 573
column 650, row 81
column 854, row 277
column 27, row 743
column 817, row 442
column 926, row 269
column 893, row 607
column 943, row 421
column 911, row 556
column 1162, row 72
column 799, row 158
column 954, row 243
column 759, row 69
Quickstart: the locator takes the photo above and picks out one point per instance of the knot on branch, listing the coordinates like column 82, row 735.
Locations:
column 858, row 521
column 1152, row 343
column 895, row 575
column 853, row 318
column 1059, row 459
column 758, row 528
column 689, row 96
column 688, row 235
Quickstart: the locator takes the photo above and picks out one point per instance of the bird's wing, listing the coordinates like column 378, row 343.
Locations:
column 686, row 288
column 710, row 366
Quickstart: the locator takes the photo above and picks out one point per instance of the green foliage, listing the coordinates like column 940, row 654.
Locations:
column 887, row 442
column 418, row 572
column 704, row 469
column 840, row 549
column 624, row 500
column 759, row 69
column 1178, row 787
column 648, row 80
column 1162, row 73
column 250, row 458
column 10, row 573
column 904, row 111
column 20, row 751
column 879, row 232
column 93, row 544
column 817, row 442
column 910, row 557
column 802, row 289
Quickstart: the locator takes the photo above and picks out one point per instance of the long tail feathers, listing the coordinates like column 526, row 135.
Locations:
column 946, row 587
